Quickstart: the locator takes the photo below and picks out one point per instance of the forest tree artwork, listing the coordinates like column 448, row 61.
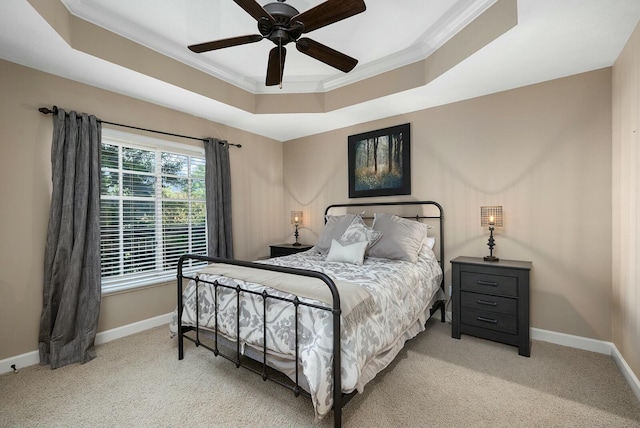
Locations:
column 380, row 162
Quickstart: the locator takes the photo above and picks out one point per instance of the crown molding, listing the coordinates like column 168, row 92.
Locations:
column 450, row 24
column 151, row 40
column 455, row 19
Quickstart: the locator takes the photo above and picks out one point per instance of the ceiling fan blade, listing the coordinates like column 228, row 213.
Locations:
column 325, row 54
column 275, row 69
column 254, row 9
column 329, row 12
column 225, row 43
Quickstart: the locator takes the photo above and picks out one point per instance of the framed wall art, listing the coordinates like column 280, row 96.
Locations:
column 380, row 162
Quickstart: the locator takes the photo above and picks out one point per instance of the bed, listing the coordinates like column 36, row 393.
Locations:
column 345, row 306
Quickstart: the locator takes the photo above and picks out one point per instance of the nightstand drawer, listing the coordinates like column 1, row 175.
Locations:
column 488, row 303
column 491, row 284
column 287, row 249
column 490, row 321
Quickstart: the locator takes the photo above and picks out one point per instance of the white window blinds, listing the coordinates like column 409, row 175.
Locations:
column 152, row 210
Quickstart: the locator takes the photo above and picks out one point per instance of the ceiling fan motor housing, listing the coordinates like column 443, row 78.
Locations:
column 282, row 32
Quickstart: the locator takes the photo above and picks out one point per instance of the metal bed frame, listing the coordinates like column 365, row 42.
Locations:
column 340, row 399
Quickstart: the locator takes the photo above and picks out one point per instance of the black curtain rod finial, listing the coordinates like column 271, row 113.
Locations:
column 45, row 110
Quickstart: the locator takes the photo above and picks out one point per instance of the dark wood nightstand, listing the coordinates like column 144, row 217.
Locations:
column 491, row 300
column 286, row 249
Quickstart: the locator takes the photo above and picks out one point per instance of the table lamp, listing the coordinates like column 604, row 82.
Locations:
column 491, row 216
column 296, row 218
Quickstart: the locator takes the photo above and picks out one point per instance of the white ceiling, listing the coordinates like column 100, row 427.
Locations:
column 371, row 37
column 553, row 38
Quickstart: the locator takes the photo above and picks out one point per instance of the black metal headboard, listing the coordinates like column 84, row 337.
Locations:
column 417, row 210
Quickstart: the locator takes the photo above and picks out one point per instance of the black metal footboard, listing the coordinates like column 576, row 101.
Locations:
column 338, row 399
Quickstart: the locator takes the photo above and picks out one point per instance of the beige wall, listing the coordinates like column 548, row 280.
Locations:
column 543, row 152
column 25, row 191
column 626, row 202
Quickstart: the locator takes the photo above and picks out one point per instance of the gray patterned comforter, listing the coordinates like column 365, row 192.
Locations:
column 402, row 291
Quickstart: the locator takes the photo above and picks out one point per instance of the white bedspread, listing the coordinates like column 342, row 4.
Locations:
column 402, row 291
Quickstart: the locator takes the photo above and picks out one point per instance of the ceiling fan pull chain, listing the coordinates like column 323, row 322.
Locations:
column 280, row 60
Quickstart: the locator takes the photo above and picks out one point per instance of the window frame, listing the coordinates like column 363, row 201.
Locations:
column 124, row 282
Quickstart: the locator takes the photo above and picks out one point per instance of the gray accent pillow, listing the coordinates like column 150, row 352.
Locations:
column 333, row 229
column 401, row 238
column 358, row 231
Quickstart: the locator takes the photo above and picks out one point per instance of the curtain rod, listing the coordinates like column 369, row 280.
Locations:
column 45, row 110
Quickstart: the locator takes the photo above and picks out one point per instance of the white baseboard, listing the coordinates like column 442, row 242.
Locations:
column 626, row 371
column 19, row 361
column 578, row 342
column 593, row 345
column 599, row 346
column 33, row 357
column 129, row 329
column 571, row 341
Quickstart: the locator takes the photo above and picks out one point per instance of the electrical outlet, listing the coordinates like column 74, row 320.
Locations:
column 450, row 290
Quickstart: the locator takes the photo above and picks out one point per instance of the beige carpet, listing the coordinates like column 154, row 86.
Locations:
column 436, row 381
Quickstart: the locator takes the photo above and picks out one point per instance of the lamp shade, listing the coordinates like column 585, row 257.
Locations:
column 489, row 213
column 296, row 217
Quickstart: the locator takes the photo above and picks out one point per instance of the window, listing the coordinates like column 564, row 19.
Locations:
column 152, row 209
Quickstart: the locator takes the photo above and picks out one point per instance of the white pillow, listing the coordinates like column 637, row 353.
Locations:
column 426, row 252
column 358, row 231
column 429, row 241
column 348, row 253
column 401, row 238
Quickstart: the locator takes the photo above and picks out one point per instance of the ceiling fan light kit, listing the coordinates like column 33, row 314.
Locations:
column 283, row 24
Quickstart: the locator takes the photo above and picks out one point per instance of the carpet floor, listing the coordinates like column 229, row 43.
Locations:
column 436, row 381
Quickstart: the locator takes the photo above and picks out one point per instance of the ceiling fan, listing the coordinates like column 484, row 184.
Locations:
column 282, row 24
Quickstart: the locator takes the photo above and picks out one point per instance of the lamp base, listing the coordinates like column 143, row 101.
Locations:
column 491, row 259
column 296, row 244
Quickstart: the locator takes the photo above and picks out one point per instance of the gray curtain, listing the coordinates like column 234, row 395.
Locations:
column 71, row 294
column 218, row 195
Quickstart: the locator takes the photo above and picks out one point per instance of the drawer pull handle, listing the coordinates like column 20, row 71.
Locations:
column 484, row 302
column 491, row 283
column 489, row 320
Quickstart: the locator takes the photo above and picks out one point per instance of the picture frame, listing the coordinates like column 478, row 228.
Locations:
column 380, row 162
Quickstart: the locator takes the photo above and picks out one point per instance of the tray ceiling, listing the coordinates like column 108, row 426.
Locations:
column 551, row 39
